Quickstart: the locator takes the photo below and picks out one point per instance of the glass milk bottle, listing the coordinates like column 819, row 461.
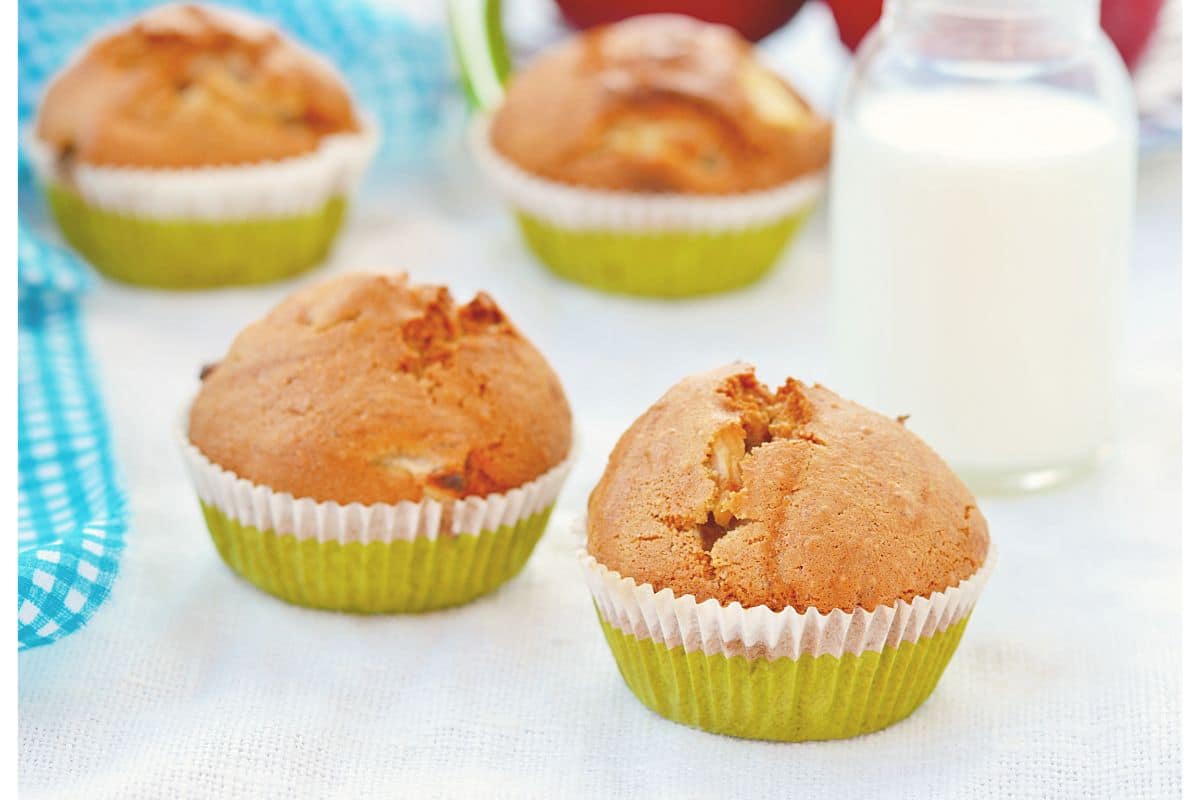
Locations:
column 980, row 212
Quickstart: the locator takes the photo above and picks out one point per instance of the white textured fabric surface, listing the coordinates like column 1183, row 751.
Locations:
column 191, row 683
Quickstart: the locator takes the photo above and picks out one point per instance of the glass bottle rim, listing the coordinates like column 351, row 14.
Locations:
column 1002, row 9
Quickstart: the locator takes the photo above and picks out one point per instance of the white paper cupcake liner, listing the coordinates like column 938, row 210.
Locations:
column 580, row 208
column 267, row 189
column 305, row 518
column 760, row 632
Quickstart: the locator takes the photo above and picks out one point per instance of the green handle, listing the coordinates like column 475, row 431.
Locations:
column 478, row 36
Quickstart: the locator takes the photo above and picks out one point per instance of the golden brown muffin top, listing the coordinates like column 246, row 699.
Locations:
column 724, row 489
column 659, row 103
column 366, row 388
column 190, row 85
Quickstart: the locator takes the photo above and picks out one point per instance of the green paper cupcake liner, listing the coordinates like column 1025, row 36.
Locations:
column 791, row 675
column 380, row 558
column 201, row 227
column 194, row 254
column 376, row 577
column 662, row 245
column 660, row 264
column 791, row 700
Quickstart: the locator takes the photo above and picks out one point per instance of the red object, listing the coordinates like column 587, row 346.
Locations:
column 1129, row 23
column 854, row 18
column 754, row 19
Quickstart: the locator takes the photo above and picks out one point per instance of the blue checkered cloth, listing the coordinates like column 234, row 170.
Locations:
column 401, row 72
column 71, row 514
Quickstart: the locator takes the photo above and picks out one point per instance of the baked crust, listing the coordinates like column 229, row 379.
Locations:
column 659, row 103
column 186, row 86
column 725, row 490
column 369, row 389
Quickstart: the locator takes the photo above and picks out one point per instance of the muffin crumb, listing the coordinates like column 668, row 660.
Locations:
column 786, row 498
column 659, row 103
column 186, row 85
column 367, row 388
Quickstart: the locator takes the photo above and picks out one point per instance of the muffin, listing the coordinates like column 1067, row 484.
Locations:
column 780, row 565
column 655, row 156
column 372, row 446
column 197, row 146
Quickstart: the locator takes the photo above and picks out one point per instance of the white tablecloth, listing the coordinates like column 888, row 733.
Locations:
column 191, row 683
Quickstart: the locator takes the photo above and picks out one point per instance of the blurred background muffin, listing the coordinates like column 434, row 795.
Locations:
column 371, row 445
column 655, row 156
column 769, row 530
column 189, row 86
column 199, row 146
column 659, row 104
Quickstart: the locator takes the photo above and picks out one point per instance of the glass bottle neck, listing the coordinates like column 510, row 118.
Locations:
column 1080, row 15
column 1002, row 31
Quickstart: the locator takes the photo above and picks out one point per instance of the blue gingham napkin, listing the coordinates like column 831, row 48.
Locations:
column 399, row 69
column 71, row 515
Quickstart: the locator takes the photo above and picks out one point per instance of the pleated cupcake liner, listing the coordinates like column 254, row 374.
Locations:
column 380, row 558
column 660, row 264
column 172, row 254
column 201, row 227
column 376, row 577
column 668, row 245
column 781, row 675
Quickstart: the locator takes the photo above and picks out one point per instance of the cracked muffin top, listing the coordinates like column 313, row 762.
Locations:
column 190, row 85
column 659, row 103
column 726, row 490
column 369, row 389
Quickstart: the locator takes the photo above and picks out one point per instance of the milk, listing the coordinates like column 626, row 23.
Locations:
column 980, row 240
